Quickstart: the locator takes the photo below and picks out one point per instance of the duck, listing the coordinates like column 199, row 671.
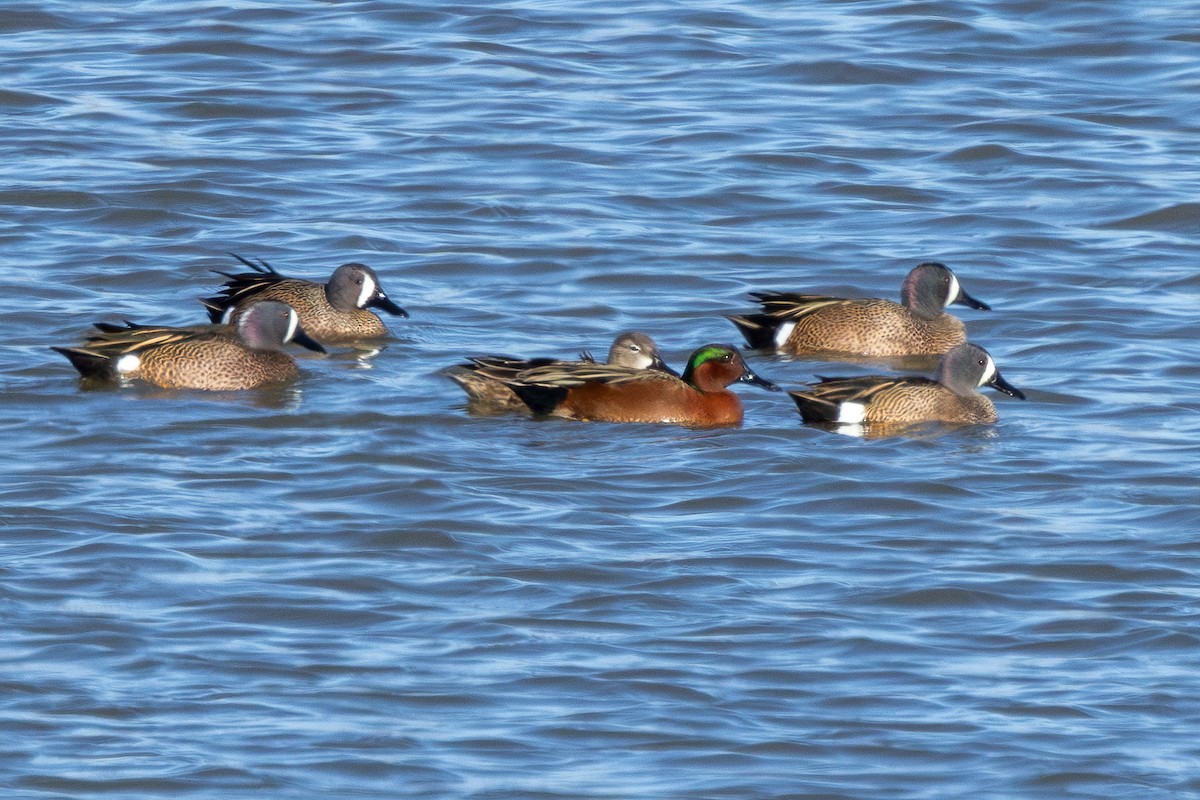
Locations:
column 808, row 324
column 608, row 393
column 951, row 396
column 332, row 312
column 244, row 355
column 483, row 378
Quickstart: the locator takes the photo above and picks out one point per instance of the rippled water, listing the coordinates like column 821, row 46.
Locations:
column 356, row 588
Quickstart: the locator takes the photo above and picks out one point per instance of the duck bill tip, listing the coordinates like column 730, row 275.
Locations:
column 384, row 303
column 1001, row 385
column 758, row 380
column 965, row 299
column 304, row 340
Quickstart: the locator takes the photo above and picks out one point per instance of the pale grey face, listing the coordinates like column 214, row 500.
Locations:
column 270, row 324
column 633, row 350
column 267, row 325
column 357, row 286
column 351, row 286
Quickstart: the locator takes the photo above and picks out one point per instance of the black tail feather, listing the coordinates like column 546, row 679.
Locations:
column 757, row 329
column 215, row 306
column 815, row 409
column 261, row 266
column 541, row 399
column 88, row 364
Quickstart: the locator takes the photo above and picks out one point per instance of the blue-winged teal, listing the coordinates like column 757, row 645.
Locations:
column 619, row 394
column 895, row 402
column 806, row 324
column 244, row 355
column 481, row 379
column 330, row 312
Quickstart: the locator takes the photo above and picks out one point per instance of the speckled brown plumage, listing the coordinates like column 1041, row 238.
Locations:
column 807, row 324
column 898, row 400
column 891, row 401
column 212, row 357
column 329, row 312
column 212, row 361
column 485, row 389
column 483, row 379
column 325, row 323
column 873, row 327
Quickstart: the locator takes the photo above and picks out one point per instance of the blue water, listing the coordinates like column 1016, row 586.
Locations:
column 355, row 587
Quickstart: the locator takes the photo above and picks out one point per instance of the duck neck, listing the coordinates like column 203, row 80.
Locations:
column 919, row 299
column 706, row 378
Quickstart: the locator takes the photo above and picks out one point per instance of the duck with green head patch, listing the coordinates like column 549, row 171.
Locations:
column 601, row 392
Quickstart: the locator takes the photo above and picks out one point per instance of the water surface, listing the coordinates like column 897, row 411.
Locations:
column 355, row 587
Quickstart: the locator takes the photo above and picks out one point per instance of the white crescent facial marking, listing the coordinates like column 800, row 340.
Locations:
column 293, row 322
column 851, row 413
column 954, row 291
column 128, row 363
column 782, row 333
column 368, row 290
column 989, row 372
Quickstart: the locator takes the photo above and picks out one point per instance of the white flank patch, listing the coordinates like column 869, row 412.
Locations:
column 954, row 290
column 989, row 372
column 851, row 413
column 128, row 363
column 367, row 290
column 228, row 315
column 782, row 333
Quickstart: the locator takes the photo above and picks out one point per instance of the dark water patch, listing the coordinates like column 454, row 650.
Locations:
column 944, row 597
column 1150, row 122
column 842, row 73
column 58, row 199
column 17, row 19
column 1102, row 573
column 793, row 163
column 1183, row 218
column 218, row 110
column 232, row 47
column 1025, row 711
column 127, row 787
column 996, row 154
column 17, row 100
column 883, row 193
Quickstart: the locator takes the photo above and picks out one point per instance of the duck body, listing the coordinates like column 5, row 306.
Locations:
column 951, row 397
column 599, row 392
column 485, row 378
column 245, row 355
column 811, row 324
column 336, row 311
